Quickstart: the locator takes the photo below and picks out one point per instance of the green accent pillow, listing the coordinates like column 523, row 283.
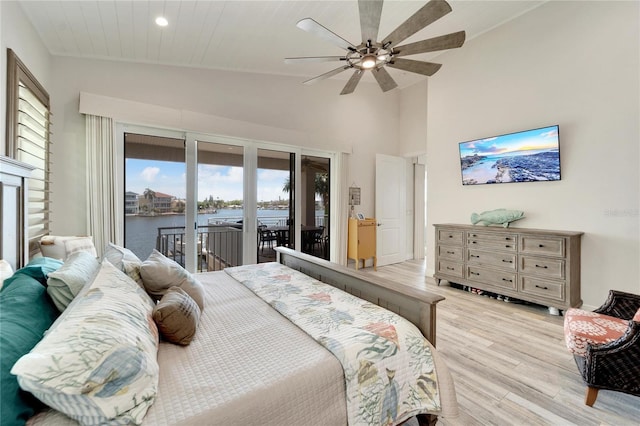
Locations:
column 40, row 268
column 26, row 312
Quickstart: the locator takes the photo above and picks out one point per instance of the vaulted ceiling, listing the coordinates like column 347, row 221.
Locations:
column 251, row 36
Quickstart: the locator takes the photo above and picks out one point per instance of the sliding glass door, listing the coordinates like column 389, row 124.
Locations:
column 220, row 215
column 211, row 202
column 155, row 195
column 275, row 202
column 315, row 193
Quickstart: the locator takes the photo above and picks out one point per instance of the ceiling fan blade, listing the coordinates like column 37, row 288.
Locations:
column 370, row 12
column 311, row 26
column 384, row 79
column 314, row 59
column 419, row 67
column 426, row 15
column 447, row 41
column 353, row 82
column 327, row 75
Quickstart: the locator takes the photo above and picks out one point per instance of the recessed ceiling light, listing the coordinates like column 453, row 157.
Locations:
column 161, row 21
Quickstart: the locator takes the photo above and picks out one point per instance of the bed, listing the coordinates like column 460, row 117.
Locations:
column 249, row 365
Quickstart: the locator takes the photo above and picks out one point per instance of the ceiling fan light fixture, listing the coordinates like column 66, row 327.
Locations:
column 368, row 62
column 161, row 21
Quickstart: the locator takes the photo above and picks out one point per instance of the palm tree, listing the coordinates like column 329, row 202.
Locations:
column 321, row 187
column 149, row 195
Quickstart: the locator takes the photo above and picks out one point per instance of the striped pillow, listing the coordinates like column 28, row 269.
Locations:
column 98, row 362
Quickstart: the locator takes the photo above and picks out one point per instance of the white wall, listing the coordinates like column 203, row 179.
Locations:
column 575, row 64
column 17, row 33
column 254, row 106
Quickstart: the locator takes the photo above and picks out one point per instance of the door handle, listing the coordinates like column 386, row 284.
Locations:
column 379, row 224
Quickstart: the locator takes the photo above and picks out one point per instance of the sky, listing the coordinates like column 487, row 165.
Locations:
column 223, row 182
column 536, row 139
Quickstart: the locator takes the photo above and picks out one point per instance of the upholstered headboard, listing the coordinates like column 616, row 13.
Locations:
column 14, row 178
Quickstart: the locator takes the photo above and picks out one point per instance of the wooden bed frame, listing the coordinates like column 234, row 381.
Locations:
column 417, row 306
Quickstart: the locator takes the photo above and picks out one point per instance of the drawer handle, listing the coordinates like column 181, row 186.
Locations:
column 507, row 261
column 450, row 236
column 542, row 287
column 473, row 242
column 507, row 246
column 450, row 268
column 474, row 235
column 475, row 255
column 540, row 245
column 542, row 266
column 507, row 280
column 507, row 238
column 475, row 273
column 451, row 252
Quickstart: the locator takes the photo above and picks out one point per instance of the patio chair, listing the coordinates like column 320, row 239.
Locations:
column 267, row 237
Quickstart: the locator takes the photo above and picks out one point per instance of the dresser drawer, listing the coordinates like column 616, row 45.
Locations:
column 450, row 252
column 540, row 245
column 500, row 238
column 543, row 288
column 453, row 237
column 495, row 278
column 541, row 266
column 479, row 241
column 453, row 269
column 492, row 258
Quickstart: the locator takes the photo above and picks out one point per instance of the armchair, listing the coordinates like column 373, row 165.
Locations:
column 606, row 344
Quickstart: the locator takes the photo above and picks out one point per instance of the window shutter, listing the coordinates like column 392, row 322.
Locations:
column 28, row 138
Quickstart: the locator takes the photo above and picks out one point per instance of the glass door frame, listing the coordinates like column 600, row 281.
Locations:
column 250, row 196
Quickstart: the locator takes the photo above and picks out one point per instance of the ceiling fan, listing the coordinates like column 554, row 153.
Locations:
column 374, row 56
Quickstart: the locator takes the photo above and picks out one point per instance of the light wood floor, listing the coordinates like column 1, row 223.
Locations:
column 509, row 361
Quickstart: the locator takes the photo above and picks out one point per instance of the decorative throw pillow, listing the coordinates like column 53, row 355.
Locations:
column 25, row 313
column 125, row 260
column 160, row 273
column 98, row 363
column 65, row 283
column 5, row 271
column 58, row 247
column 40, row 268
column 177, row 316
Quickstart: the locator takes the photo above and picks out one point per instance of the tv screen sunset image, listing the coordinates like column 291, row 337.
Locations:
column 527, row 156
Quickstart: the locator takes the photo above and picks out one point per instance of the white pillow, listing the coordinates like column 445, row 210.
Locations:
column 5, row 271
column 98, row 363
column 125, row 260
column 76, row 272
column 60, row 248
column 159, row 274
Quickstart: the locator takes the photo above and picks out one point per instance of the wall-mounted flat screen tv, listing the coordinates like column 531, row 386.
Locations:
column 527, row 156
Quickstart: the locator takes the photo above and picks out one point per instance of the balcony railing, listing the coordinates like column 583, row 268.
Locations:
column 219, row 246
column 219, row 242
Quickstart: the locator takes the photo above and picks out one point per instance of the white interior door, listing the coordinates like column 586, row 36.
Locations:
column 390, row 209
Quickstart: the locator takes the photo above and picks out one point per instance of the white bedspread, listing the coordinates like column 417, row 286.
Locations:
column 248, row 365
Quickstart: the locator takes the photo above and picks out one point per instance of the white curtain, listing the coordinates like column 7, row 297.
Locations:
column 102, row 182
column 341, row 211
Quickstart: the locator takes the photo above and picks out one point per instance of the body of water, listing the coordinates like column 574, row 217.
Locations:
column 141, row 232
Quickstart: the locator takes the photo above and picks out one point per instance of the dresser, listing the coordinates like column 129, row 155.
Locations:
column 539, row 266
column 362, row 241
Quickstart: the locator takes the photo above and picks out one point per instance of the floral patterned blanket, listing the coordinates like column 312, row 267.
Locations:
column 388, row 368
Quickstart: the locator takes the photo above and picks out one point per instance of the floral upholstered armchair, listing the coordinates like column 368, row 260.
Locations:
column 606, row 344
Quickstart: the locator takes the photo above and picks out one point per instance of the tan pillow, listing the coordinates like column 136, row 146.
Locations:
column 160, row 273
column 177, row 316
